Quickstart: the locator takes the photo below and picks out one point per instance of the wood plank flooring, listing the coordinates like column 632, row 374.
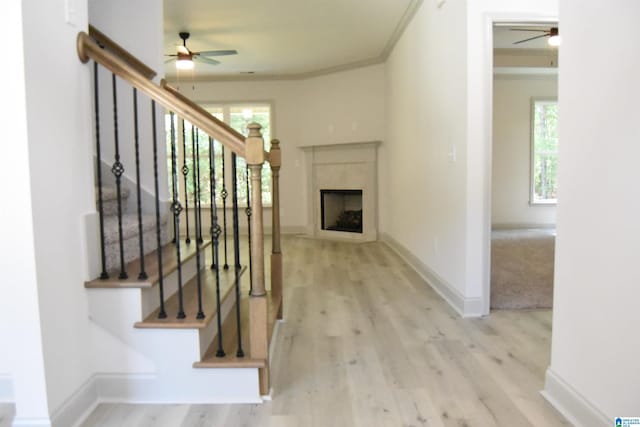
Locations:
column 367, row 343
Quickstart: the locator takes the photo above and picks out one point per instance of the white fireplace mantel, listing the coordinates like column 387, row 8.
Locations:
column 346, row 166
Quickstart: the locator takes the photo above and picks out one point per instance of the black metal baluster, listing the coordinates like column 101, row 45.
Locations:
column 196, row 181
column 118, row 169
column 198, row 211
column 212, row 201
column 185, row 172
column 236, row 248
column 162, row 314
column 215, row 235
column 176, row 208
column 248, row 212
column 174, row 180
column 103, row 275
column 136, row 138
column 224, row 195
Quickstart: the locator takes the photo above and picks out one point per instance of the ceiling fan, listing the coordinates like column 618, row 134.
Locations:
column 552, row 33
column 185, row 57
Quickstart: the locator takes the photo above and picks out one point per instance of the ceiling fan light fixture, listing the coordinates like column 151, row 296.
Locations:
column 184, row 62
column 554, row 41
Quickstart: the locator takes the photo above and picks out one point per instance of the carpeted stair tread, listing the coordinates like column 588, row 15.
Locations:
column 129, row 226
column 109, row 193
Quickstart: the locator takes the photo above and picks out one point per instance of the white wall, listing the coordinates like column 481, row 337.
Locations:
column 596, row 346
column 59, row 119
column 137, row 27
column 336, row 108
column 512, row 151
column 21, row 358
column 422, row 187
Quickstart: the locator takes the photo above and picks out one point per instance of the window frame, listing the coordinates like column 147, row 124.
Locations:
column 225, row 109
column 532, row 150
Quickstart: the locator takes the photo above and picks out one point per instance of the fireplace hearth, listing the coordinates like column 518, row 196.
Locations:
column 341, row 210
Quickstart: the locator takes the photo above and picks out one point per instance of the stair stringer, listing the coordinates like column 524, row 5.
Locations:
column 155, row 365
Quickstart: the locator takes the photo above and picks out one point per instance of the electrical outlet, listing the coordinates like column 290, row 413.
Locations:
column 71, row 12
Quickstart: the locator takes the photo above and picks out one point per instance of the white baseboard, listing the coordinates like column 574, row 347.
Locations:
column 575, row 408
column 31, row 422
column 466, row 307
column 6, row 389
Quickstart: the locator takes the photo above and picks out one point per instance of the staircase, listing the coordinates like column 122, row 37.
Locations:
column 183, row 316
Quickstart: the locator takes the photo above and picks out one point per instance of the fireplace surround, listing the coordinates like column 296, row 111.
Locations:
column 342, row 170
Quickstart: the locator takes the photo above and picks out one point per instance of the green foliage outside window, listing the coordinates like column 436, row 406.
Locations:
column 545, row 151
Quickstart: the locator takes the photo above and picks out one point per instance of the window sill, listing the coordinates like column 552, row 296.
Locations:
column 542, row 204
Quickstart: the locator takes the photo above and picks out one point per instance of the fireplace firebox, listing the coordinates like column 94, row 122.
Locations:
column 341, row 210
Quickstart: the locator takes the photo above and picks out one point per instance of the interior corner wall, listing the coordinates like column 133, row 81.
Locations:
column 342, row 107
column 58, row 111
column 511, row 165
column 595, row 344
column 137, row 27
column 423, row 169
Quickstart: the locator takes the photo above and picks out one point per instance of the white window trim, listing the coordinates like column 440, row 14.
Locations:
column 532, row 201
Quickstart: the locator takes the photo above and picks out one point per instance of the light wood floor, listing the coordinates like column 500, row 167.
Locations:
column 367, row 343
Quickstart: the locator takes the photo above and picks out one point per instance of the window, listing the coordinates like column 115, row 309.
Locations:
column 544, row 151
column 238, row 116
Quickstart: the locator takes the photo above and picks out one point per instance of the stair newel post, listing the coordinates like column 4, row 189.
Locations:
column 196, row 192
column 136, row 139
column 236, row 248
column 103, row 257
column 185, row 173
column 248, row 212
column 258, row 328
column 224, row 195
column 118, row 169
column 275, row 160
column 176, row 209
column 162, row 314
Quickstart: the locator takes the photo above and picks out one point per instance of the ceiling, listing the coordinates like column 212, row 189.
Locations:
column 284, row 38
column 505, row 35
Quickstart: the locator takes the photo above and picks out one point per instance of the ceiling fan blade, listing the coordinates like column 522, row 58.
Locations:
column 532, row 38
column 217, row 52
column 170, row 54
column 183, row 50
column 204, row 60
column 528, row 29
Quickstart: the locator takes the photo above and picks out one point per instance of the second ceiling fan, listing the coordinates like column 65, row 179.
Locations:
column 553, row 34
column 185, row 57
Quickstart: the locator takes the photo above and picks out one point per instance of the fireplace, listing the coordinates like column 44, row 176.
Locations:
column 342, row 202
column 341, row 210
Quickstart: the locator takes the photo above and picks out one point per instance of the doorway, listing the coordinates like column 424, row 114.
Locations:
column 524, row 165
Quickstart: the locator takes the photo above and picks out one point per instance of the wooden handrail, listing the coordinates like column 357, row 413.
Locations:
column 114, row 47
column 164, row 95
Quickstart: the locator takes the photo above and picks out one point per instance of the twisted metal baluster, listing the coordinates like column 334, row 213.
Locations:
column 174, row 179
column 136, row 137
column 176, row 208
column 103, row 257
column 118, row 169
column 162, row 314
column 195, row 153
column 248, row 212
column 215, row 236
column 224, row 195
column 198, row 211
column 185, row 172
column 212, row 202
column 236, row 249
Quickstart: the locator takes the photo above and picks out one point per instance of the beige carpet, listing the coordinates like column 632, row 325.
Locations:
column 522, row 268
